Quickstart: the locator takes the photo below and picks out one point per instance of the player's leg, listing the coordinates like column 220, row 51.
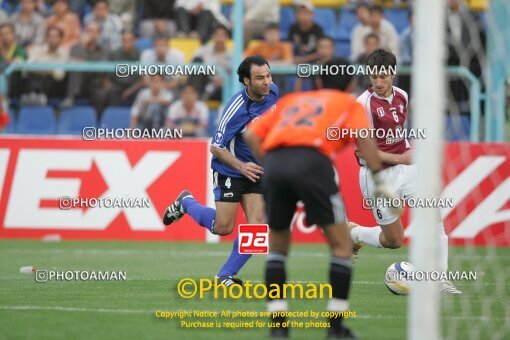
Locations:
column 389, row 235
column 187, row 204
column 340, row 274
column 220, row 221
column 280, row 205
column 253, row 207
column 389, row 232
column 325, row 207
column 409, row 190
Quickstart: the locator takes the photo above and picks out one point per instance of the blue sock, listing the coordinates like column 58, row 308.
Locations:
column 234, row 262
column 204, row 216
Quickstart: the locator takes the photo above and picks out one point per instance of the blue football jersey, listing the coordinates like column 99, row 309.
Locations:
column 239, row 111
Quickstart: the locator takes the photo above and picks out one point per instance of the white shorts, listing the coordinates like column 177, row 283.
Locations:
column 400, row 179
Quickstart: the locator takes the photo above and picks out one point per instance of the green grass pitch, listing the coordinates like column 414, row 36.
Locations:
column 126, row 309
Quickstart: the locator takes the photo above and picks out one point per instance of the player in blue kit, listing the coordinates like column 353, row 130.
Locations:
column 236, row 173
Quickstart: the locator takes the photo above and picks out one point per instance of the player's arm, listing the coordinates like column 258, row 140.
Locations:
column 391, row 158
column 368, row 148
column 255, row 144
column 258, row 130
column 250, row 170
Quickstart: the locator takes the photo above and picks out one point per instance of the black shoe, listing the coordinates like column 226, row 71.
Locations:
column 341, row 333
column 229, row 280
column 175, row 211
column 279, row 332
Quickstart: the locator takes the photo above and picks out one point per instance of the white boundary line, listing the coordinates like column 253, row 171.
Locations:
column 193, row 253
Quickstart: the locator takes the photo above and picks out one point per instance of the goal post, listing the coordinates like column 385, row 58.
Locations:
column 428, row 108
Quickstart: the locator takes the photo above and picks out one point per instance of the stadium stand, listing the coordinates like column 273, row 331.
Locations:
column 345, row 24
column 115, row 118
column 36, row 120
column 73, row 120
column 186, row 45
column 327, row 19
column 457, row 128
column 143, row 43
column 398, row 18
column 336, row 17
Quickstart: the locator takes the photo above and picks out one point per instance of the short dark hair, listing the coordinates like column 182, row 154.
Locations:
column 127, row 31
column 191, row 86
column 362, row 5
column 272, row 26
column 339, row 81
column 377, row 8
column 327, row 37
column 99, row 1
column 243, row 71
column 382, row 58
column 8, row 24
column 371, row 35
column 159, row 37
column 221, row 27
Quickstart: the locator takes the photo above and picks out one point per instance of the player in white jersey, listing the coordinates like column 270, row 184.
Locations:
column 386, row 106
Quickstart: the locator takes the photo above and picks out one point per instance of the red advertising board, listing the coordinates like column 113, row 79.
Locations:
column 35, row 173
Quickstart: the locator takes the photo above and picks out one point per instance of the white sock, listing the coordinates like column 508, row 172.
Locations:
column 367, row 235
column 442, row 247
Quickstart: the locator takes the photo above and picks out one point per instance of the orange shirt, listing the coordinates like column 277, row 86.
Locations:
column 303, row 119
column 69, row 24
column 281, row 51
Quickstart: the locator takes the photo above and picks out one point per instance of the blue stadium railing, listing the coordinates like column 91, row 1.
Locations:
column 457, row 71
column 475, row 88
column 98, row 66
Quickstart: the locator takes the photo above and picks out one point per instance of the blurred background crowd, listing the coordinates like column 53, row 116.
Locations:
column 183, row 31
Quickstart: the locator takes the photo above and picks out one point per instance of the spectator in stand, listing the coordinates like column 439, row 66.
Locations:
column 89, row 85
column 44, row 84
column 325, row 49
column 188, row 114
column 272, row 48
column 359, row 31
column 196, row 18
column 158, row 19
column 67, row 21
column 151, row 104
column 126, row 11
column 388, row 36
column 305, row 33
column 258, row 14
column 30, row 26
column 162, row 54
column 325, row 52
column 10, row 51
column 466, row 47
column 362, row 82
column 121, row 90
column 274, row 51
column 110, row 25
column 214, row 53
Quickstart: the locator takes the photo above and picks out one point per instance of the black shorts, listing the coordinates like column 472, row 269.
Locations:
column 231, row 189
column 301, row 174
